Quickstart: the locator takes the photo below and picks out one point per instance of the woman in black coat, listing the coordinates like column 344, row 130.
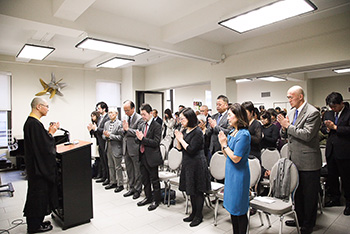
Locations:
column 194, row 177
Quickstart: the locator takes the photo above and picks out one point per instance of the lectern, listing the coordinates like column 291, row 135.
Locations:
column 74, row 184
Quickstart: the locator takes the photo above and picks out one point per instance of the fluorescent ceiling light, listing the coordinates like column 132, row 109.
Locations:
column 342, row 70
column 243, row 80
column 268, row 14
column 115, row 62
column 37, row 52
column 110, row 47
column 271, row 78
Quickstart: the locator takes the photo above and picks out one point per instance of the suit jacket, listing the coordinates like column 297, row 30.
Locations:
column 338, row 143
column 303, row 144
column 151, row 142
column 159, row 120
column 115, row 139
column 214, row 132
column 129, row 136
column 99, row 132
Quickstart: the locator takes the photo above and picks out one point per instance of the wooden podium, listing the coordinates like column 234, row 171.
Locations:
column 74, row 184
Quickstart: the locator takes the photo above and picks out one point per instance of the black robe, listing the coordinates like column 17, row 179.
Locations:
column 40, row 159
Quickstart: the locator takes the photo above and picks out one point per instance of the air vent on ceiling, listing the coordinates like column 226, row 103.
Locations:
column 265, row 94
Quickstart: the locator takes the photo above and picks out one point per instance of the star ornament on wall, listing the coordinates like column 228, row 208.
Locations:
column 52, row 88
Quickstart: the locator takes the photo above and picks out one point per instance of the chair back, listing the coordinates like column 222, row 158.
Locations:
column 284, row 151
column 255, row 171
column 294, row 177
column 269, row 158
column 217, row 165
column 163, row 151
column 323, row 154
column 174, row 159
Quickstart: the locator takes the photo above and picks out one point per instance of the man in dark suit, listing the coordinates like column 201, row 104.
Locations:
column 149, row 135
column 218, row 122
column 131, row 149
column 301, row 127
column 337, row 126
column 102, row 108
column 156, row 117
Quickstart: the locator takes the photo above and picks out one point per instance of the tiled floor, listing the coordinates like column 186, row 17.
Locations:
column 115, row 214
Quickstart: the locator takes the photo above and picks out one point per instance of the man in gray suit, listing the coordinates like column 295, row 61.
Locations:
column 301, row 127
column 113, row 134
column 131, row 149
column 218, row 122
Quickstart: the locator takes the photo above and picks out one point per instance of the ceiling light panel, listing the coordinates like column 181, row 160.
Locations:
column 272, row 78
column 268, row 14
column 37, row 52
column 342, row 70
column 243, row 80
column 110, row 47
column 115, row 62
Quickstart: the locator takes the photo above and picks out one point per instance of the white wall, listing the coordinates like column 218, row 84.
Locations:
column 185, row 96
column 72, row 110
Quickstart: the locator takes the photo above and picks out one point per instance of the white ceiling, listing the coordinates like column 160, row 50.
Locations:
column 168, row 28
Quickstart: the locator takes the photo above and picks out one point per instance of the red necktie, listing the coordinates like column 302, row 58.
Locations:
column 142, row 149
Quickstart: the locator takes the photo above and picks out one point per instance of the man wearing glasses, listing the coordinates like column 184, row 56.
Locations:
column 40, row 159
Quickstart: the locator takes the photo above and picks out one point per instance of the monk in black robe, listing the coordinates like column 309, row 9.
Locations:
column 40, row 159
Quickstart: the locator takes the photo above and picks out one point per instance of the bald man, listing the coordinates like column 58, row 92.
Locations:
column 40, row 159
column 301, row 126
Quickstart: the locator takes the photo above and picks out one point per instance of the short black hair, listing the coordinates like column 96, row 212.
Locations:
column 272, row 112
column 241, row 115
column 181, row 106
column 223, row 97
column 191, row 117
column 248, row 105
column 334, row 98
column 103, row 105
column 266, row 115
column 155, row 111
column 146, row 107
column 131, row 103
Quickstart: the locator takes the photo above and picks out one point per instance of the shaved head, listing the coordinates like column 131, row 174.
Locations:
column 36, row 101
column 295, row 96
column 297, row 90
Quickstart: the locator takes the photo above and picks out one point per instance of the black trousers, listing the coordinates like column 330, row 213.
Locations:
column 197, row 202
column 306, row 198
column 150, row 177
column 338, row 168
column 239, row 224
column 33, row 223
column 103, row 161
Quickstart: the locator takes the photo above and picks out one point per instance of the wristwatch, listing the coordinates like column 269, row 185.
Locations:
column 224, row 147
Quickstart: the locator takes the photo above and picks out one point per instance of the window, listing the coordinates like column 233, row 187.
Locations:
column 208, row 98
column 109, row 92
column 5, row 109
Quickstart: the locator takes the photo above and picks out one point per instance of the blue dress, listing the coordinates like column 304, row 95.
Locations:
column 237, row 175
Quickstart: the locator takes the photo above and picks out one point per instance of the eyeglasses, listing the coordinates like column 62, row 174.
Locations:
column 47, row 106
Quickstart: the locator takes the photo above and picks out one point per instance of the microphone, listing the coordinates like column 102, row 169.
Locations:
column 62, row 129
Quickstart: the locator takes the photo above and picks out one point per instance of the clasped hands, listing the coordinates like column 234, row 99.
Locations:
column 212, row 122
column 283, row 121
column 139, row 134
column 54, row 127
column 179, row 136
column 330, row 125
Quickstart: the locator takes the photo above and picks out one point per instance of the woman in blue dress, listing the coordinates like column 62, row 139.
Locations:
column 236, row 147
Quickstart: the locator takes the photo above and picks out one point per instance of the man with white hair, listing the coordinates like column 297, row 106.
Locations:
column 301, row 127
column 40, row 159
column 113, row 134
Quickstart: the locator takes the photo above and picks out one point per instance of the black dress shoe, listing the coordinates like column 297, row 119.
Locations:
column 129, row 193
column 306, row 230
column 106, row 182
column 144, row 202
column 111, row 186
column 153, row 206
column 332, row 203
column 101, row 180
column 136, row 195
column 119, row 189
column 41, row 229
column 347, row 210
column 189, row 218
column 290, row 223
column 46, row 223
column 196, row 221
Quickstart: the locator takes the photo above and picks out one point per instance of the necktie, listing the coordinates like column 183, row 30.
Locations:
column 295, row 116
column 129, row 120
column 218, row 121
column 336, row 118
column 142, row 149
